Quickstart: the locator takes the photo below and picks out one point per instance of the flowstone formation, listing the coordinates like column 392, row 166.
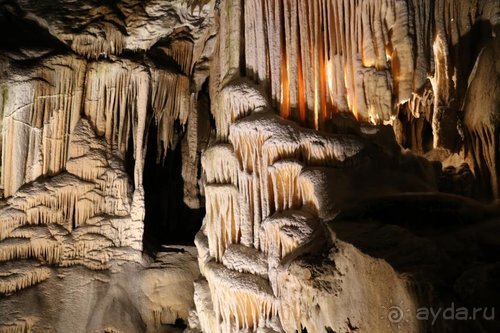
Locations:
column 413, row 64
column 266, row 201
column 334, row 162
column 277, row 196
column 85, row 88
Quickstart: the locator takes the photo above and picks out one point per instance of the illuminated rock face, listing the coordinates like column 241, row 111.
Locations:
column 277, row 193
column 81, row 92
column 266, row 202
column 406, row 63
column 119, row 117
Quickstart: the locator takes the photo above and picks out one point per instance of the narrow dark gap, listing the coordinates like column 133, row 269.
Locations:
column 427, row 136
column 204, row 104
column 168, row 220
column 130, row 160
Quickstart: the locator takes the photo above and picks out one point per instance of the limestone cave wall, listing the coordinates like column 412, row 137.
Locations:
column 248, row 165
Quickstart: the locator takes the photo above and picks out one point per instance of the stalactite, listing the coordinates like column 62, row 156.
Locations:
column 182, row 52
column 250, row 207
column 22, row 277
column 246, row 304
column 236, row 100
column 195, row 141
column 222, row 218
column 17, row 326
column 283, row 180
column 220, row 165
column 170, row 102
column 366, row 57
column 103, row 39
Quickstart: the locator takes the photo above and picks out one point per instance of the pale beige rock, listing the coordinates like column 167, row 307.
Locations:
column 139, row 297
column 268, row 192
column 76, row 123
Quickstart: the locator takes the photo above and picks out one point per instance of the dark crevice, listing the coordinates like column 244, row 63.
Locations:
column 168, row 220
column 20, row 34
column 129, row 159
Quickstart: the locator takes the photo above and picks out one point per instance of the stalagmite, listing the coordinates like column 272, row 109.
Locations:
column 206, row 320
column 264, row 172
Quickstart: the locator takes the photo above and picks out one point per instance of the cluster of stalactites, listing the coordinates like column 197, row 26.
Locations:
column 111, row 99
column 407, row 63
column 100, row 39
column 260, row 209
column 78, row 217
column 181, row 51
column 331, row 56
column 118, row 95
column 22, row 277
column 236, row 100
column 17, row 326
column 42, row 106
column 170, row 101
column 243, row 301
column 258, row 173
column 367, row 57
column 67, row 203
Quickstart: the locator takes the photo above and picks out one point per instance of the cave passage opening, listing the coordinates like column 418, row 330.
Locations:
column 168, row 219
